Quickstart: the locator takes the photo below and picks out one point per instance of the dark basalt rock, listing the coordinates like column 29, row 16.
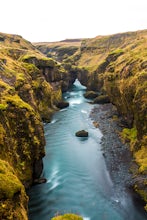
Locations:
column 37, row 169
column 2, row 38
column 90, row 95
column 82, row 133
column 62, row 104
column 39, row 181
column 102, row 99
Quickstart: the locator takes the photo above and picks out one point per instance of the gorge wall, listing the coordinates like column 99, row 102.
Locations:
column 116, row 66
column 31, row 87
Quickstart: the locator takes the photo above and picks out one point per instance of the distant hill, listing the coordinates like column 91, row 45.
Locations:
column 59, row 50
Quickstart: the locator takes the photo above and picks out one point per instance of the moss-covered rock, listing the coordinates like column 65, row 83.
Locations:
column 10, row 185
column 67, row 216
column 90, row 94
column 13, row 198
column 101, row 99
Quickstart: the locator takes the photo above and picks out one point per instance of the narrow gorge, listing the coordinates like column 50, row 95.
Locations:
column 33, row 78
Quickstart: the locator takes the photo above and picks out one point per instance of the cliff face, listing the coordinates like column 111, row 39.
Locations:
column 120, row 71
column 116, row 66
column 68, row 53
column 31, row 86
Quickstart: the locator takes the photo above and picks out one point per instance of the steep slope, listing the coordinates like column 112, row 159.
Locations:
column 31, row 87
column 116, row 67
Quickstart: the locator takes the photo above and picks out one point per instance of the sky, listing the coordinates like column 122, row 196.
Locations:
column 55, row 20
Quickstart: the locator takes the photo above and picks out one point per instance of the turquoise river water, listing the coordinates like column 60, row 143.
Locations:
column 77, row 178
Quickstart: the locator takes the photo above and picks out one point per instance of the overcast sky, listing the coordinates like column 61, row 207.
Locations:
column 53, row 20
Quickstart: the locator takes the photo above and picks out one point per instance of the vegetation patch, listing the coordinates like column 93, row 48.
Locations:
column 18, row 102
column 10, row 184
column 130, row 135
column 13, row 199
column 3, row 107
column 141, row 159
column 67, row 217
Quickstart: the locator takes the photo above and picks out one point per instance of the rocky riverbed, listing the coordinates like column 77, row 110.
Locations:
column 117, row 155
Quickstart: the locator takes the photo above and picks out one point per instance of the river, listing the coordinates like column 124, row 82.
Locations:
column 77, row 178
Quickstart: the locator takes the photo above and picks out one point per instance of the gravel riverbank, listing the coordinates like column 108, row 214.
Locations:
column 117, row 155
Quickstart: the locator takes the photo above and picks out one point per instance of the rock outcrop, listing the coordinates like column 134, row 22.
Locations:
column 13, row 199
column 90, row 95
column 102, row 99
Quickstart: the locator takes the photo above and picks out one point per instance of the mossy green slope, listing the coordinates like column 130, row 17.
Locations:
column 31, row 86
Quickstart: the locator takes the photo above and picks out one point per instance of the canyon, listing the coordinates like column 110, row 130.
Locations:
column 33, row 78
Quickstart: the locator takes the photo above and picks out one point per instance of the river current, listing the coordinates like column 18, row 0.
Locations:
column 77, row 178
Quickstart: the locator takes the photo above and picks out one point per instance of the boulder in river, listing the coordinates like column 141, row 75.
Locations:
column 62, row 104
column 82, row 133
column 68, row 216
column 90, row 95
column 39, row 181
column 102, row 99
